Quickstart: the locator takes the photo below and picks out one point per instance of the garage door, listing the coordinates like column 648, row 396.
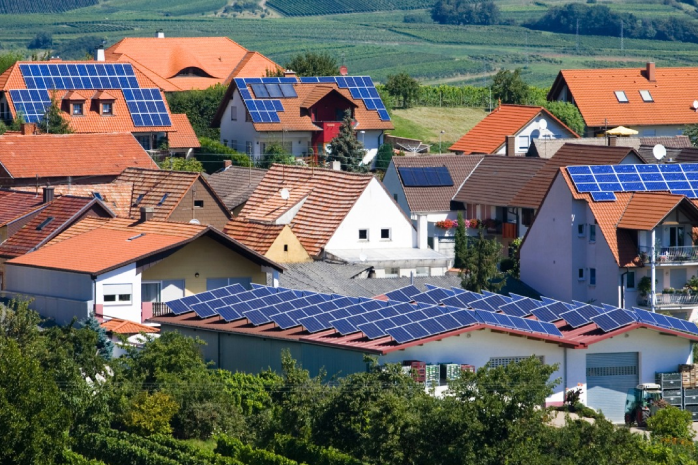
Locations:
column 609, row 376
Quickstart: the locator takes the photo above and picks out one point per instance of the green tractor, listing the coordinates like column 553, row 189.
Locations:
column 642, row 403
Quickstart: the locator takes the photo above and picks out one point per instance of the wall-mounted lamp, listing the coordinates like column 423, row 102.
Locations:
column 196, row 275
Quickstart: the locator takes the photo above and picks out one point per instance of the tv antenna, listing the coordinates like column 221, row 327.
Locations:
column 659, row 151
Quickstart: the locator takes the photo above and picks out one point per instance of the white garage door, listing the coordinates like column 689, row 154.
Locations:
column 609, row 376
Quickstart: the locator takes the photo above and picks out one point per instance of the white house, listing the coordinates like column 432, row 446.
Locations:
column 332, row 215
column 121, row 269
column 337, row 332
column 301, row 114
column 601, row 250
column 510, row 130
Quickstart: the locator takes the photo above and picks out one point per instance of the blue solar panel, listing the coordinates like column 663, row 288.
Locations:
column 605, row 322
column 397, row 295
column 486, row 317
column 203, row 310
column 622, row 317
column 343, row 326
column 432, row 326
column 587, row 311
column 256, row 317
column 425, row 298
column 574, row 318
column 416, row 330
column 284, row 321
column 603, row 196
column 527, row 304
column 371, row 330
column 400, row 335
column 31, row 104
column 537, row 326
column 545, row 314
column 425, row 177
column 178, row 307
column 482, row 305
column 551, row 329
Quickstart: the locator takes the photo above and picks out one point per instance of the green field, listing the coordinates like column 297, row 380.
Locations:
column 374, row 43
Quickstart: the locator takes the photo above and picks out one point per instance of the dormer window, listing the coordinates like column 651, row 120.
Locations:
column 646, row 96
column 107, row 108
column 620, row 95
column 78, row 109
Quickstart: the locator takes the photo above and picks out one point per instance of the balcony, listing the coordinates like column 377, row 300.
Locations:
column 160, row 309
column 680, row 299
column 670, row 255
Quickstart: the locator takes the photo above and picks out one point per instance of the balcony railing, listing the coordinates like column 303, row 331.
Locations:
column 672, row 300
column 667, row 255
column 160, row 309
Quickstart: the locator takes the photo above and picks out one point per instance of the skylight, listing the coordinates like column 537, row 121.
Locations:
column 162, row 199
column 133, row 238
column 45, row 223
column 138, row 200
column 620, row 95
column 97, row 196
column 646, row 96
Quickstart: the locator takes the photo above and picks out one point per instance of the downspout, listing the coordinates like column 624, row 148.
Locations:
column 622, row 288
column 564, row 374
column 653, row 291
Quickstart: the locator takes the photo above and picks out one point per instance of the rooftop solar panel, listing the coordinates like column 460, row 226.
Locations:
column 574, row 318
column 416, row 330
column 551, row 329
column 343, row 326
column 177, row 307
column 544, row 314
column 256, row 317
column 311, row 324
column 425, row 176
column 400, row 335
column 203, row 310
column 482, row 304
column 284, row 321
column 605, row 322
column 371, row 330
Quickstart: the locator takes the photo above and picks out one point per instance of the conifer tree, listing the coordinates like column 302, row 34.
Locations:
column 53, row 122
column 346, row 149
column 104, row 344
column 480, row 264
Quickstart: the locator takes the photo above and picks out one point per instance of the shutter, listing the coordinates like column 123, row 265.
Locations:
column 609, row 376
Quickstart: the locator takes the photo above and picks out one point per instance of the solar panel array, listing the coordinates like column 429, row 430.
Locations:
column 425, row 176
column 603, row 181
column 145, row 105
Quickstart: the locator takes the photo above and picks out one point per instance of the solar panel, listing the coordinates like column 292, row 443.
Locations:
column 545, row 314
column 31, row 103
column 400, row 335
column 343, row 326
column 203, row 310
column 177, row 307
column 551, row 329
column 622, row 317
column 371, row 330
column 482, row 304
column 311, row 324
column 256, row 317
column 425, row 176
column 229, row 313
column 605, row 322
column 574, row 318
column 587, row 311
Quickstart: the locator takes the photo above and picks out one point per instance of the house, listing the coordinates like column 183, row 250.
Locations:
column 178, row 64
column 114, row 195
column 333, row 333
column 235, row 184
column 121, row 268
column 16, row 209
column 653, row 101
column 177, row 196
column 510, row 129
column 297, row 214
column 604, row 252
column 301, row 114
column 37, row 160
column 136, row 335
column 427, row 201
column 95, row 97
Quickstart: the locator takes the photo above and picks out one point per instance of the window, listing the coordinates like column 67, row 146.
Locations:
column 198, row 203
column 233, row 113
column 422, row 271
column 522, row 143
column 622, row 98
column 117, row 293
column 77, row 109
column 592, row 276
column 504, row 361
column 285, row 247
column 45, row 223
column 363, row 234
column 646, row 96
column 385, row 234
column 580, row 230
column 630, row 280
column 248, row 148
column 527, row 216
column 248, row 118
column 392, row 272
column 107, row 108
column 395, row 197
column 592, row 233
column 234, row 144
column 580, row 274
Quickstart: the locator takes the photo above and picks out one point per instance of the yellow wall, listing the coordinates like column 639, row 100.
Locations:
column 296, row 252
column 210, row 259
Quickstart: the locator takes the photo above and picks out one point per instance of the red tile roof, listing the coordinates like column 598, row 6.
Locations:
column 436, row 199
column 184, row 135
column 15, row 205
column 75, row 155
column 329, row 196
column 257, row 236
column 164, row 58
column 116, row 325
column 593, row 91
column 58, row 215
column 115, row 195
column 489, row 135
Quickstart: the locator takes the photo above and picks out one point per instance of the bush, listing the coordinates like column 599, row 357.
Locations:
column 506, row 265
column 671, row 422
column 150, row 414
column 305, row 452
column 73, row 458
column 231, row 447
column 116, row 450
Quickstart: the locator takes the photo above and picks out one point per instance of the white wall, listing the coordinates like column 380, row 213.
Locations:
column 531, row 131
column 374, row 210
column 239, row 130
column 124, row 275
column 391, row 181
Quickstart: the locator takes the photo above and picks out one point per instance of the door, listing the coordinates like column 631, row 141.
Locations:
column 609, row 376
column 678, row 278
column 676, row 235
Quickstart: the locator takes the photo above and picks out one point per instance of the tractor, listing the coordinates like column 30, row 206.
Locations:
column 642, row 403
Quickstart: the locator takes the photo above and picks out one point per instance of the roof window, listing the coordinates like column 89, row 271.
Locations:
column 138, row 200
column 620, row 95
column 45, row 223
column 133, row 238
column 646, row 96
column 98, row 196
column 162, row 200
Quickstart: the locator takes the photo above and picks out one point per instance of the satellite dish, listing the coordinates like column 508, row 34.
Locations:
column 194, row 221
column 542, row 124
column 659, row 151
column 362, row 257
column 695, row 105
column 285, row 194
column 343, row 70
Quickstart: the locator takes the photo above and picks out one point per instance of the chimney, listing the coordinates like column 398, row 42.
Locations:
column 147, row 213
column 48, row 194
column 511, row 146
column 612, row 141
column 227, row 164
column 160, row 34
column 99, row 56
column 289, row 73
column 650, row 72
column 337, row 165
column 28, row 129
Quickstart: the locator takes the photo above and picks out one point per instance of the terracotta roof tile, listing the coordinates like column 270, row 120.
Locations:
column 647, row 209
column 436, row 199
column 14, row 205
column 183, row 136
column 165, row 58
column 58, row 215
column 329, row 196
column 532, row 194
column 116, row 325
column 593, row 91
column 256, row 236
column 115, row 195
column 76, row 155
column 236, row 184
column 254, row 64
column 506, row 120
column 497, row 179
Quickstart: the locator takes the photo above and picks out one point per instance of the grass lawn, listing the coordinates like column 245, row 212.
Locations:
column 425, row 123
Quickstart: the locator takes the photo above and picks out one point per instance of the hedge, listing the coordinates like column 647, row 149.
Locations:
column 232, row 447
column 118, row 451
column 73, row 458
column 305, row 452
column 182, row 455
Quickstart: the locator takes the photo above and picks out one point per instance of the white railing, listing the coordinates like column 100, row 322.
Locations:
column 665, row 255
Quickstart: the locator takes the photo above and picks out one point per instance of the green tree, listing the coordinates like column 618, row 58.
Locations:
column 53, row 122
column 150, row 414
column 200, row 106
column 313, row 64
column 461, row 243
column 692, row 132
column 181, row 164
column 514, row 253
column 568, row 114
column 480, row 261
column 383, row 157
column 346, row 149
column 509, row 87
column 403, row 87
column 483, row 12
column 79, row 48
column 671, row 422
column 42, row 39
column 8, row 59
column 276, row 153
column 104, row 345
